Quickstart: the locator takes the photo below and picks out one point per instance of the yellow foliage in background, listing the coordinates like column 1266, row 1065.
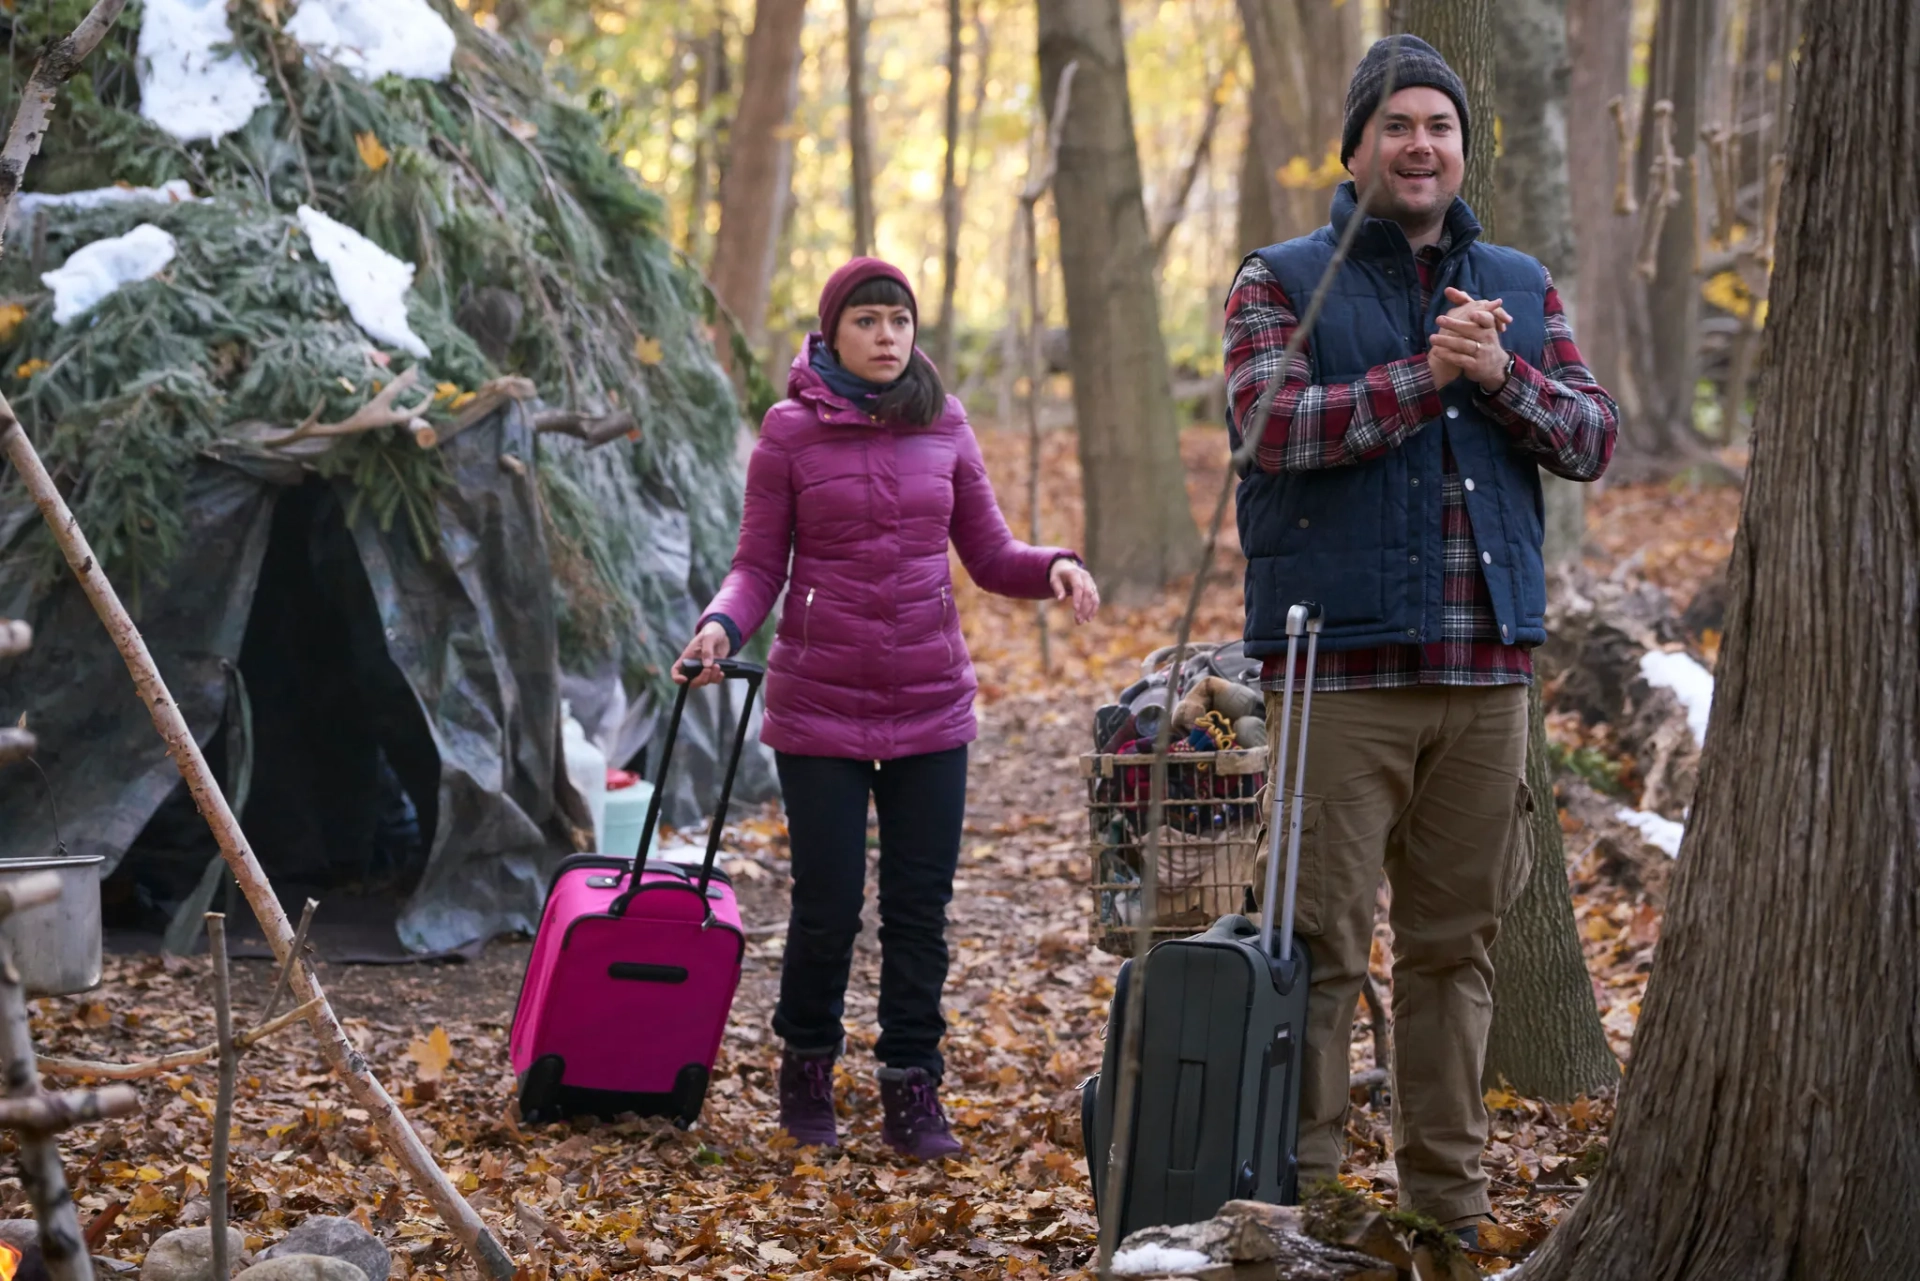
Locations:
column 1728, row 291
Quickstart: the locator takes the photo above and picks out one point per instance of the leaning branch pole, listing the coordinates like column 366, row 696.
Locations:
column 55, row 67
column 347, row 1062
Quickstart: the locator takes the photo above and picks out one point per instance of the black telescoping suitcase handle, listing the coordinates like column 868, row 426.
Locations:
column 734, row 669
column 1304, row 618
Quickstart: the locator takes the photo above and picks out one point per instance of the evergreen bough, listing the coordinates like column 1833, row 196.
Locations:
column 519, row 221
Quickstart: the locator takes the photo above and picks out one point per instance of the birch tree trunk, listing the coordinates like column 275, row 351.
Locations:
column 1463, row 32
column 1600, row 51
column 859, row 140
column 1139, row 528
column 1770, row 1121
column 753, row 193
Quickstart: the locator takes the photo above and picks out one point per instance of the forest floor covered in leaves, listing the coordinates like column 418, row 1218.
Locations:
column 1027, row 1004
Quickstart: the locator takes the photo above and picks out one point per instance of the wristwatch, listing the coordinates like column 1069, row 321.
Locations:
column 1513, row 358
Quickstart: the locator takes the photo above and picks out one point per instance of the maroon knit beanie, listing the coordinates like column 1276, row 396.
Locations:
column 842, row 283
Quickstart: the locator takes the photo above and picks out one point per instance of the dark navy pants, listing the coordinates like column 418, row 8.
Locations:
column 921, row 801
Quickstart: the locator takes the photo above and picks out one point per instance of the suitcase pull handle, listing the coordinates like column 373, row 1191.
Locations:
column 737, row 669
column 1302, row 618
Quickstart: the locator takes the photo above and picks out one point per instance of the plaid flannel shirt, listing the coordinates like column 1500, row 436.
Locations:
column 1559, row 414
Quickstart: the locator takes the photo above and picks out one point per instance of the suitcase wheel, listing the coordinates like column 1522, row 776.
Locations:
column 689, row 1094
column 540, row 1090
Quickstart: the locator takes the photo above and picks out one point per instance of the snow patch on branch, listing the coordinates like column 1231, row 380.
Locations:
column 372, row 282
column 93, row 271
column 172, row 192
column 374, row 38
column 1691, row 683
column 186, row 88
column 1145, row 1260
column 1658, row 830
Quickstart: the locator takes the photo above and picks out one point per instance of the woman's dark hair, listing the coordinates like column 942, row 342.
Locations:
column 917, row 396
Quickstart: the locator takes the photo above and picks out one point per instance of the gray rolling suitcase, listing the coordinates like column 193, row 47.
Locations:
column 1216, row 1115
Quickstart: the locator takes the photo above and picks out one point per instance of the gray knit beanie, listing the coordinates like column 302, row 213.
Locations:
column 1414, row 62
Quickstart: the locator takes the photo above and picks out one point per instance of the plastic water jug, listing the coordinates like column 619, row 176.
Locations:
column 626, row 813
column 587, row 770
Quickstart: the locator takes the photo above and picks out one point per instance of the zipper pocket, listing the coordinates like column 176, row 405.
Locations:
column 946, row 600
column 806, row 622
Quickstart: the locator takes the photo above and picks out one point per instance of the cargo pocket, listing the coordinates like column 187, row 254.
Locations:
column 1519, row 853
column 1310, row 893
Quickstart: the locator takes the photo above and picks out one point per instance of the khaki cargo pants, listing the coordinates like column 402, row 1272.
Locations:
column 1428, row 784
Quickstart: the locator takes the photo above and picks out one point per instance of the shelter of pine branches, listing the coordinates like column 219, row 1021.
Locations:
column 370, row 630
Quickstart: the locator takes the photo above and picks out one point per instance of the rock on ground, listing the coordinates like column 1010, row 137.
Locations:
column 1246, row 1241
column 186, row 1254
column 336, row 1238
column 302, row 1267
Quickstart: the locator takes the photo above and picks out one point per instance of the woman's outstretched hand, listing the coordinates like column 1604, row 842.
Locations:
column 1070, row 578
column 708, row 646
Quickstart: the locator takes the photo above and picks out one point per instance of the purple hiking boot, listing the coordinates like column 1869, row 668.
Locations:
column 806, row 1099
column 915, row 1124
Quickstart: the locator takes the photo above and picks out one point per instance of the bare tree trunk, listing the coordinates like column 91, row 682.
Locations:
column 950, row 196
column 1303, row 53
column 1546, row 1041
column 1175, row 209
column 711, row 76
column 1139, row 529
column 1600, row 49
column 1533, row 196
column 1463, row 32
column 859, row 141
column 1661, row 435
column 753, row 194
column 1770, row 1121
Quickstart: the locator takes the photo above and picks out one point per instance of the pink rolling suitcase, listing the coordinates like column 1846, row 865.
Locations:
column 633, row 970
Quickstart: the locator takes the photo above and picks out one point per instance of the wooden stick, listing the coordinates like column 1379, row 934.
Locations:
column 1176, row 206
column 1037, row 185
column 1623, row 201
column 97, row 1070
column 62, row 58
column 295, row 956
column 595, row 431
column 378, row 412
column 223, row 1100
column 347, row 1062
column 493, row 393
column 16, row 638
column 49, row 1113
column 1721, row 159
column 1770, row 215
column 41, row 1176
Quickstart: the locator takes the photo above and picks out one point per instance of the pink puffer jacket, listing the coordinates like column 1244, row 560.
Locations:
column 868, row 661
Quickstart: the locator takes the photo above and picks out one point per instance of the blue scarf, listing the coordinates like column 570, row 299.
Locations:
column 849, row 386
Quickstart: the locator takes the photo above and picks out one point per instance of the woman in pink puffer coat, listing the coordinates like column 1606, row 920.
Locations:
column 861, row 478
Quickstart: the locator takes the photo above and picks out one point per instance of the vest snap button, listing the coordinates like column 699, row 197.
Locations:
column 1414, row 632
column 1303, row 522
column 1416, row 480
column 1453, row 411
column 1486, row 558
column 1413, row 560
column 1469, row 483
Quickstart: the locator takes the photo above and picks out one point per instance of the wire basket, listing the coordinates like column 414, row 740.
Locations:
column 1213, row 821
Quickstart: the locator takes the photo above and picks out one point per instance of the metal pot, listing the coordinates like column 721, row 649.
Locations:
column 56, row 947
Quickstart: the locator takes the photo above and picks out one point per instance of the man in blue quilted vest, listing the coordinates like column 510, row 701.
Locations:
column 1397, row 483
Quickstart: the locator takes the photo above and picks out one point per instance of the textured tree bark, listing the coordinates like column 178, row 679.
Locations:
column 1600, row 49
column 753, row 194
column 1139, row 529
column 1303, row 53
column 950, row 198
column 1546, row 1040
column 859, row 140
column 1533, row 195
column 1770, row 1121
column 1661, row 435
column 1463, row 32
